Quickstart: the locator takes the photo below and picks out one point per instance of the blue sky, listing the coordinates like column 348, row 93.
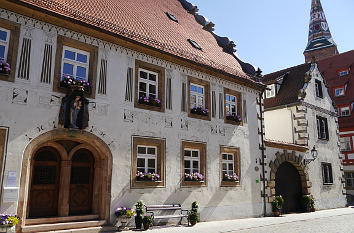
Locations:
column 272, row 34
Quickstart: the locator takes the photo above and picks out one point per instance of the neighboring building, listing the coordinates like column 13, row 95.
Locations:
column 298, row 116
column 339, row 75
column 69, row 160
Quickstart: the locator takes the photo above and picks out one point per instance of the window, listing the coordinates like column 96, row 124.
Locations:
column 344, row 111
column 343, row 72
column 77, row 60
column 345, row 144
column 195, row 44
column 270, row 93
column 198, row 99
column 318, row 86
column 233, row 109
column 339, row 91
column 4, row 43
column 327, row 173
column 148, row 157
column 149, row 86
column 9, row 41
column 230, row 166
column 322, row 128
column 75, row 63
column 349, row 179
column 193, row 163
column 171, row 17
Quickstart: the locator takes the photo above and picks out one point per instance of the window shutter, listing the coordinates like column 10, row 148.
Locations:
column 129, row 85
column 183, row 100
column 47, row 64
column 213, row 104
column 23, row 70
column 244, row 111
column 221, row 106
column 103, row 78
column 168, row 94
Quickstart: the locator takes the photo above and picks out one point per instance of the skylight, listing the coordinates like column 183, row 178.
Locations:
column 172, row 17
column 195, row 44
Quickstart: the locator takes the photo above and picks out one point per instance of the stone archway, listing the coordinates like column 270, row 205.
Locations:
column 68, row 143
column 297, row 162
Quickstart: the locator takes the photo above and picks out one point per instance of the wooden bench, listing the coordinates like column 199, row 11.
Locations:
column 176, row 207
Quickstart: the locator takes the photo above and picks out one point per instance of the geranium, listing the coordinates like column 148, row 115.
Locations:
column 200, row 111
column 233, row 117
column 4, row 66
column 124, row 212
column 11, row 220
column 148, row 100
column 196, row 176
column 70, row 82
column 232, row 178
column 141, row 176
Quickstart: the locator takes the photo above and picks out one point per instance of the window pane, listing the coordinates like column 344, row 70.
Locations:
column 200, row 101
column 224, row 156
column 349, row 182
column 195, row 154
column 230, row 157
column 142, row 94
column 227, row 97
column 187, row 153
column 141, row 150
column 224, row 166
column 233, row 109
column 187, row 163
column 193, row 100
column 151, row 150
column 195, row 170
column 68, row 69
column 3, row 35
column 151, row 163
column 143, row 75
column 151, row 170
column 141, row 169
column 152, row 89
column 195, row 164
column 142, row 86
column 140, row 162
column 233, row 99
column 200, row 90
column 187, row 171
column 231, row 167
column 193, row 88
column 2, row 51
column 69, row 54
column 81, row 72
column 152, row 77
column 81, row 58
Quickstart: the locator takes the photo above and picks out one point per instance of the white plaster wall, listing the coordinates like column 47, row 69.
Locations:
column 279, row 125
column 40, row 114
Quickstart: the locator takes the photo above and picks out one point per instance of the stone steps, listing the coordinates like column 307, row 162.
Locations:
column 85, row 226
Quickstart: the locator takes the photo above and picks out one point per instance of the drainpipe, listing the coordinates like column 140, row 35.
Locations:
column 263, row 155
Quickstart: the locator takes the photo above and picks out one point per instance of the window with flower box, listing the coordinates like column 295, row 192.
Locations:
column 193, row 163
column 9, row 40
column 198, row 98
column 233, row 107
column 149, row 86
column 75, row 65
column 148, row 161
column 230, row 166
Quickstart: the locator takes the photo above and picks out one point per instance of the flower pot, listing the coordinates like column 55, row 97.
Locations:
column 276, row 213
column 138, row 222
column 5, row 228
column 313, row 209
column 193, row 222
column 146, row 226
column 123, row 223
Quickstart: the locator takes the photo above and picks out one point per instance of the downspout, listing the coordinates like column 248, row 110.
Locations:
column 263, row 155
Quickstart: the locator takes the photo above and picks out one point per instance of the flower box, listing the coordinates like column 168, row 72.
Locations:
column 233, row 117
column 194, row 177
column 200, row 111
column 4, row 67
column 230, row 178
column 74, row 84
column 150, row 101
column 144, row 177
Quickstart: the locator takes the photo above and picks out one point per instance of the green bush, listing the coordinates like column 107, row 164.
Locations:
column 277, row 203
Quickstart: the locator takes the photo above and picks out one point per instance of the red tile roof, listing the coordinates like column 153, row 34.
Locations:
column 330, row 68
column 146, row 22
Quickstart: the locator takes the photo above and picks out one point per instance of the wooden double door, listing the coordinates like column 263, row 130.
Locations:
column 47, row 189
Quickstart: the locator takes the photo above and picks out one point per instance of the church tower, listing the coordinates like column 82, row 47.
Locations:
column 320, row 42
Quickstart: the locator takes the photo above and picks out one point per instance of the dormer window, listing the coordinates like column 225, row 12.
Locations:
column 344, row 111
column 195, row 44
column 270, row 93
column 339, row 91
column 172, row 17
column 318, row 86
column 343, row 72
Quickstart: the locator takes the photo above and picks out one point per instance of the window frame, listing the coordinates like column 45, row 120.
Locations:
column 236, row 154
column 345, row 142
column 327, row 180
column 342, row 92
column 92, row 68
column 238, row 96
column 160, row 85
column 201, row 146
column 351, row 187
column 6, row 43
column 160, row 144
column 12, row 50
column 270, row 93
column 346, row 109
column 191, row 159
column 206, row 85
column 318, row 88
column 322, row 123
column 75, row 63
column 146, row 158
column 197, row 94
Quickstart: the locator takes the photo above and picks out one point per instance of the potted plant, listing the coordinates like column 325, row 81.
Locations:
column 139, row 210
column 140, row 176
column 193, row 216
column 4, row 67
column 196, row 176
column 123, row 215
column 8, row 221
column 74, row 84
column 308, row 203
column 230, row 178
column 151, row 101
column 277, row 205
column 233, row 117
column 200, row 111
column 147, row 222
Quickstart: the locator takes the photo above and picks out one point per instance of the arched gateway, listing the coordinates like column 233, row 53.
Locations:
column 289, row 178
column 66, row 176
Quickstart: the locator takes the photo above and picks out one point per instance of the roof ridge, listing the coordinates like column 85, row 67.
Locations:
column 289, row 68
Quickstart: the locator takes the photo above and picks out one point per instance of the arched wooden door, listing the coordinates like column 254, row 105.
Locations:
column 288, row 185
column 81, row 182
column 45, row 183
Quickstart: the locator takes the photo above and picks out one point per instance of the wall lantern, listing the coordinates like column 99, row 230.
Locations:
column 314, row 154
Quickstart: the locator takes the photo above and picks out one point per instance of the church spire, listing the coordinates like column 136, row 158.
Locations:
column 320, row 42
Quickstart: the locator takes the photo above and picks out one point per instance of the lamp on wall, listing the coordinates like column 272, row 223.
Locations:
column 314, row 154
